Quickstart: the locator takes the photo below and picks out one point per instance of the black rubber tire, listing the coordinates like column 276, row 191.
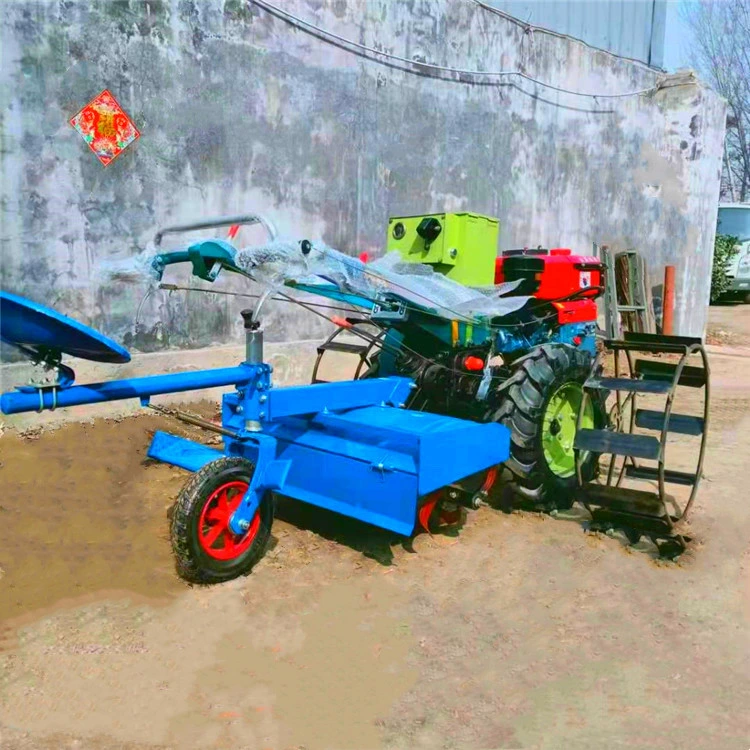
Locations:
column 193, row 564
column 522, row 402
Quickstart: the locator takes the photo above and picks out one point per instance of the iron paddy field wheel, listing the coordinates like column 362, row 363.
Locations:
column 539, row 404
column 206, row 549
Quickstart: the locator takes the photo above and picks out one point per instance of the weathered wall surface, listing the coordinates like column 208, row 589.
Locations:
column 241, row 111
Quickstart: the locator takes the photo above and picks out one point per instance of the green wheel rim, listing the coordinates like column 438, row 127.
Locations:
column 559, row 428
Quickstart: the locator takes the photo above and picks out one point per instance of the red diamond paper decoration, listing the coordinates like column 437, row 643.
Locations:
column 105, row 127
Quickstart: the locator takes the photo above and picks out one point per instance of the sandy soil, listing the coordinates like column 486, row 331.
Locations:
column 521, row 631
column 729, row 323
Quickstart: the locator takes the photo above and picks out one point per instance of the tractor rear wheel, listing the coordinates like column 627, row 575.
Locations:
column 539, row 404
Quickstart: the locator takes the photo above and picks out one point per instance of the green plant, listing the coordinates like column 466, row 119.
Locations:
column 725, row 248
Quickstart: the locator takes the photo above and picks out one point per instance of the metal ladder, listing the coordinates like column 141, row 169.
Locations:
column 636, row 315
column 362, row 350
column 650, row 513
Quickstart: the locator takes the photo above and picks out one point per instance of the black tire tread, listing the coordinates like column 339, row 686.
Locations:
column 522, row 398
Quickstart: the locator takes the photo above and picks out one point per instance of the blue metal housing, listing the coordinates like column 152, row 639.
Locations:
column 634, row 29
column 344, row 447
column 37, row 330
column 580, row 335
column 348, row 447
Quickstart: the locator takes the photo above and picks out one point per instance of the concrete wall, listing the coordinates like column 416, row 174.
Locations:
column 239, row 110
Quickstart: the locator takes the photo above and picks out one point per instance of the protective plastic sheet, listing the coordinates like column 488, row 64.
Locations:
column 282, row 261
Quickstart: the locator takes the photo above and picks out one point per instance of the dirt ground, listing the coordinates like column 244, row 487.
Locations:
column 519, row 631
column 729, row 323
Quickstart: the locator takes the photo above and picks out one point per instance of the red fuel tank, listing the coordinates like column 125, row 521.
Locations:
column 550, row 274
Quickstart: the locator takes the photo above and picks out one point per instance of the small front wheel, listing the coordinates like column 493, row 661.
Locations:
column 206, row 549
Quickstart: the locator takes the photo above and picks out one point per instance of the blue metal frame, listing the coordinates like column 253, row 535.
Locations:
column 117, row 390
column 350, row 447
column 181, row 452
column 580, row 335
column 343, row 447
column 347, row 447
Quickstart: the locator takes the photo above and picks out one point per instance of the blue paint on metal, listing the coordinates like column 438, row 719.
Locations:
column 442, row 449
column 389, row 353
column 339, row 474
column 374, row 463
column 629, row 28
column 177, row 451
column 354, row 488
column 580, row 335
column 274, row 477
column 302, row 399
column 38, row 330
column 341, row 446
column 323, row 433
column 270, row 474
column 208, row 258
column 116, row 390
column 333, row 292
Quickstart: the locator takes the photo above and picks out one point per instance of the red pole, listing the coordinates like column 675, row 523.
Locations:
column 667, row 313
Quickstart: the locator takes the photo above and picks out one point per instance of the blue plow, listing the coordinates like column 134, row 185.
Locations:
column 347, row 447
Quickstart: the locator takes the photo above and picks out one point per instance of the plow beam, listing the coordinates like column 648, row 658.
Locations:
column 118, row 390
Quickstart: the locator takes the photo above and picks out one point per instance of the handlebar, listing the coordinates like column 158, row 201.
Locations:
column 219, row 221
column 208, row 258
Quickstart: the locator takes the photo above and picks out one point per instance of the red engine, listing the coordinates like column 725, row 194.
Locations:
column 571, row 283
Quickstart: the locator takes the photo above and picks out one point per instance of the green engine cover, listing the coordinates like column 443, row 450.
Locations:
column 463, row 246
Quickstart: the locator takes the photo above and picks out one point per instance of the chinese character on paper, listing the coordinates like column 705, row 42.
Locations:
column 105, row 127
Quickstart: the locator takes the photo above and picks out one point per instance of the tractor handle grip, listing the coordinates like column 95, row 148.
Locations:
column 219, row 221
column 208, row 257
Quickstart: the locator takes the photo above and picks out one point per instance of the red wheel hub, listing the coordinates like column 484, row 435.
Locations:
column 214, row 535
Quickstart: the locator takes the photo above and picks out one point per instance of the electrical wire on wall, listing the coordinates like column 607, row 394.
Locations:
column 447, row 73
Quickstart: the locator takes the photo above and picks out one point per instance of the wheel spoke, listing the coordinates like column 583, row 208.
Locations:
column 222, row 503
column 229, row 542
column 234, row 503
column 213, row 534
column 216, row 515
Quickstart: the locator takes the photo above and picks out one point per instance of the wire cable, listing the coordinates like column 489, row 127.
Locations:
column 177, row 287
column 375, row 54
column 380, row 343
column 465, row 318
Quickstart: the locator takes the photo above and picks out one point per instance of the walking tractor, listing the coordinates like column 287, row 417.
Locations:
column 468, row 366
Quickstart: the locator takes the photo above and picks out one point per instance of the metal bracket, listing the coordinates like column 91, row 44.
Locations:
column 381, row 468
column 50, row 374
column 270, row 474
column 388, row 312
